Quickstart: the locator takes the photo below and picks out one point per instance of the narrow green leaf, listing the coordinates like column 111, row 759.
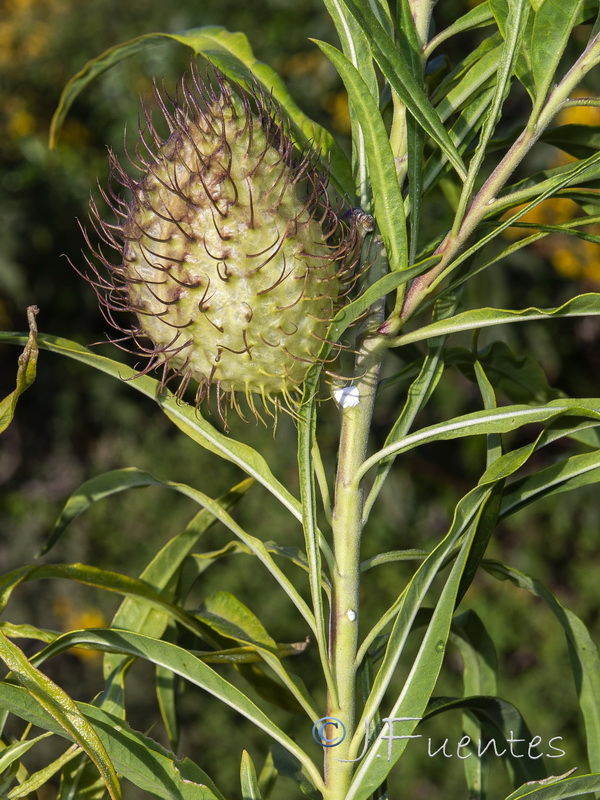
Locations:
column 100, row 578
column 184, row 416
column 268, row 775
column 488, row 395
column 14, row 751
column 501, row 723
column 140, row 617
column 231, row 618
column 189, row 667
column 41, row 777
column 306, row 435
column 166, row 683
column 62, row 709
column 504, row 13
column 563, row 476
column 419, row 685
column 397, row 71
column 248, row 779
column 512, row 29
column 499, row 420
column 462, row 134
column 583, row 652
column 461, row 93
column 232, row 54
column 552, row 26
column 417, row 396
column 357, row 50
column 387, row 197
column 26, row 370
column 580, row 306
column 484, row 525
column 136, row 757
column 558, row 788
column 477, row 17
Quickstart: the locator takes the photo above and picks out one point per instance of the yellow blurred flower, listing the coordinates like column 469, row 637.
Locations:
column 79, row 619
column 336, row 104
column 580, row 115
column 554, row 211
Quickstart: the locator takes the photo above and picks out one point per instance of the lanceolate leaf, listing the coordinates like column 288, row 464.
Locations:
column 580, row 306
column 62, row 709
column 232, row 54
column 135, row 756
column 563, row 476
column 582, row 650
column 387, row 197
column 186, row 417
column 192, row 669
column 248, row 779
column 551, row 31
column 399, row 75
column 218, row 512
column 475, row 18
column 355, row 46
column 499, row 420
column 25, row 373
column 558, row 788
column 138, row 616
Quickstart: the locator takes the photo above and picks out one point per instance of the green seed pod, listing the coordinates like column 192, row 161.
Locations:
column 231, row 257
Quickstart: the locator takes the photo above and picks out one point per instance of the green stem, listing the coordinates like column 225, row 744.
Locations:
column 486, row 196
column 347, row 529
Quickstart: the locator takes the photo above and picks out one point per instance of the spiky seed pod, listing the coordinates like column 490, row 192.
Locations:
column 231, row 256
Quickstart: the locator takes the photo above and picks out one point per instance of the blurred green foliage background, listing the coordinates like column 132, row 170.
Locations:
column 74, row 423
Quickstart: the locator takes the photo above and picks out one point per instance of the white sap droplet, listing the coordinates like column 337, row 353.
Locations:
column 351, row 615
column 347, row 397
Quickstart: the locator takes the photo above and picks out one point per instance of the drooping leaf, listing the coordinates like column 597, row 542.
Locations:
column 502, row 726
column 135, row 756
column 475, row 18
column 27, row 365
column 558, row 787
column 184, row 416
column 499, row 420
column 583, row 653
column 563, row 476
column 189, row 667
column 57, row 703
column 232, row 54
column 140, row 617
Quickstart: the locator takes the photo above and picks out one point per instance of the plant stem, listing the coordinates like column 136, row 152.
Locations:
column 347, row 529
column 486, row 196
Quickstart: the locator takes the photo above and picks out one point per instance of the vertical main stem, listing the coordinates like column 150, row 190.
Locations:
column 347, row 529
